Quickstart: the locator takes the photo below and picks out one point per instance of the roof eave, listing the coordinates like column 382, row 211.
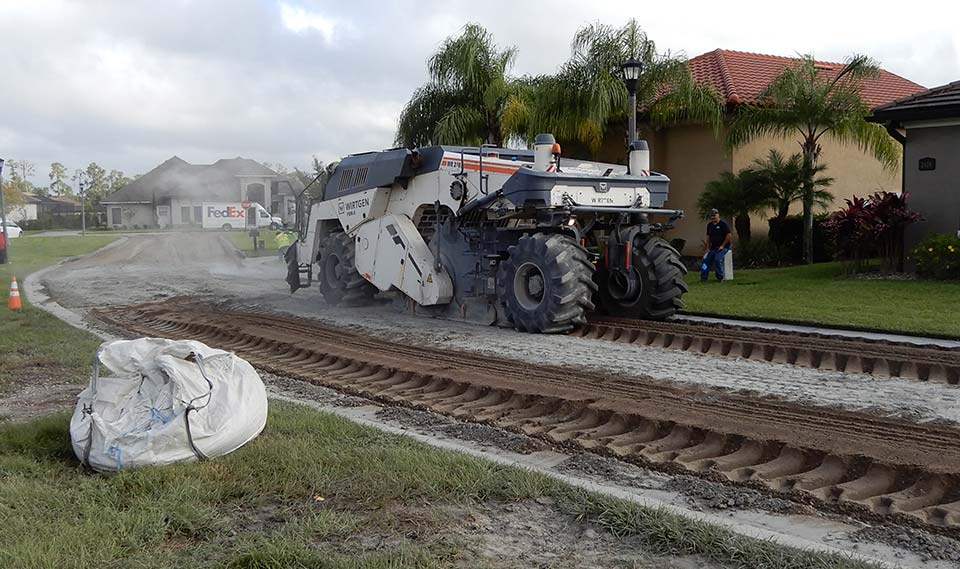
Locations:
column 905, row 115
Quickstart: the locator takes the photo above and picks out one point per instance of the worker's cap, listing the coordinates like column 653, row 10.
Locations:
column 714, row 211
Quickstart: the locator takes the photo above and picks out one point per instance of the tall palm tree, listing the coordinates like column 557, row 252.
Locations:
column 469, row 99
column 784, row 177
column 803, row 101
column 738, row 195
column 588, row 94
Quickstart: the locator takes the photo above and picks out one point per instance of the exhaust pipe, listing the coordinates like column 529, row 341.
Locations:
column 639, row 160
column 543, row 151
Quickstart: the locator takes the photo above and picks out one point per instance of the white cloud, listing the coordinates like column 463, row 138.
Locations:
column 129, row 83
column 298, row 19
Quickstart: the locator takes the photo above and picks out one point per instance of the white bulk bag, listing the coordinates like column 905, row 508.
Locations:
column 170, row 401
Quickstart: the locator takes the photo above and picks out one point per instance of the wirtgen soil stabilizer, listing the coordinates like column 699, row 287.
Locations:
column 493, row 235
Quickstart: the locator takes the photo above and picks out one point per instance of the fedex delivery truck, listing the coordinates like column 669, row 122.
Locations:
column 229, row 216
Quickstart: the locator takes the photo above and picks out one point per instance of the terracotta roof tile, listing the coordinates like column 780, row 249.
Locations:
column 739, row 77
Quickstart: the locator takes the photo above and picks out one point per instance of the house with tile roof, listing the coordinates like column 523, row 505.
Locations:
column 693, row 154
column 928, row 126
column 171, row 195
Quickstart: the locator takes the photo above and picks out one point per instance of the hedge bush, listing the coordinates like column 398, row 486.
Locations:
column 787, row 234
column 757, row 253
column 938, row 257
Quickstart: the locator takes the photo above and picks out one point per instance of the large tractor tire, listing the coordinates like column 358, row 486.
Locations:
column 653, row 287
column 339, row 281
column 546, row 284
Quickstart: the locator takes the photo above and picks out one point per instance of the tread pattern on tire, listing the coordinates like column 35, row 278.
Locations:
column 568, row 283
column 352, row 289
column 668, row 272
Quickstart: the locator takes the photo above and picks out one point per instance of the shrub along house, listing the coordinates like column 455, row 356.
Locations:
column 171, row 195
column 928, row 126
column 693, row 154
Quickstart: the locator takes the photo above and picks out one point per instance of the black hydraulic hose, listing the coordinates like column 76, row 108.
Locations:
column 298, row 228
column 478, row 203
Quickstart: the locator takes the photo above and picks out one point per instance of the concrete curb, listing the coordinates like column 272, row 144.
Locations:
column 35, row 295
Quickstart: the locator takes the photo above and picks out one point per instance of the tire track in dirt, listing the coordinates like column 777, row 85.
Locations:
column 828, row 353
column 857, row 463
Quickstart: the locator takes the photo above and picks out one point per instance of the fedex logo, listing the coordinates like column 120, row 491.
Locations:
column 229, row 211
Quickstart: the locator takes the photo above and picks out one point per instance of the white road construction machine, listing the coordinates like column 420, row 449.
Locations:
column 516, row 238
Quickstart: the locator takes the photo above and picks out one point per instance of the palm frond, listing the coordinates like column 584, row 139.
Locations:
column 460, row 125
column 872, row 139
column 419, row 117
column 738, row 195
column 753, row 121
column 467, row 95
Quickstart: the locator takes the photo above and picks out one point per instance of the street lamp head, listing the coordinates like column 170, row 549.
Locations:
column 631, row 70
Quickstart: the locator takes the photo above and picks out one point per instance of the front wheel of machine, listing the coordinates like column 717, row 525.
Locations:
column 651, row 289
column 339, row 281
column 226, row 227
column 274, row 227
column 546, row 284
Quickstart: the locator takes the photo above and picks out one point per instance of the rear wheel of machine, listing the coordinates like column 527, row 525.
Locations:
column 546, row 284
column 653, row 287
column 339, row 281
column 226, row 227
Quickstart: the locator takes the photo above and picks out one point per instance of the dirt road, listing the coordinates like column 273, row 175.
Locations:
column 840, row 458
column 154, row 267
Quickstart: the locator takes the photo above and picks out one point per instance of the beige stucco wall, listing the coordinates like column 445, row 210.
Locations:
column 854, row 172
column 691, row 156
column 132, row 214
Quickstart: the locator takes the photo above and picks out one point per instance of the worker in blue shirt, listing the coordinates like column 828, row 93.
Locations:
column 718, row 244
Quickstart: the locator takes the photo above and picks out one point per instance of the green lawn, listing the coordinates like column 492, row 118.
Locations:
column 819, row 294
column 244, row 242
column 33, row 342
column 313, row 490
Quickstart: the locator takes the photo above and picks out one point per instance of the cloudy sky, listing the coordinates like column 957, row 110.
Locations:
column 129, row 83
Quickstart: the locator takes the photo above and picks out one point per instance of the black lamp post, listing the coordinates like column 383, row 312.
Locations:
column 81, row 183
column 631, row 73
column 3, row 218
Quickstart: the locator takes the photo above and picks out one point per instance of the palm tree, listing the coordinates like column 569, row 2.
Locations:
column 588, row 93
column 784, row 177
column 803, row 101
column 469, row 99
column 739, row 195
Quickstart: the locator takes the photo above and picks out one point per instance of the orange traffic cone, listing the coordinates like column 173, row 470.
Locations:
column 14, row 302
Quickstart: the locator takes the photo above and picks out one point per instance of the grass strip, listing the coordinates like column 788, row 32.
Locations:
column 819, row 294
column 299, row 496
column 32, row 342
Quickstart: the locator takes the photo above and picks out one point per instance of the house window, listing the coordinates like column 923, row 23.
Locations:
column 115, row 217
column 197, row 213
column 185, row 214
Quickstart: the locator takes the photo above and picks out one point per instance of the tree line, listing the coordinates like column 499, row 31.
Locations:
column 472, row 99
column 97, row 182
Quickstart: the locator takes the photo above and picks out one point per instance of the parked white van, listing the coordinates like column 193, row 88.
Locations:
column 229, row 216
